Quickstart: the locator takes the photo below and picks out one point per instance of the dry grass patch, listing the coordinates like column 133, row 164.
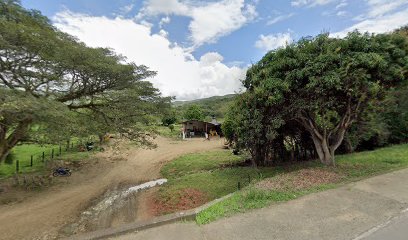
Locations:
column 300, row 180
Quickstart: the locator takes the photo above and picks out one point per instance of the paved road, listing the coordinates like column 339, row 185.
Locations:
column 396, row 229
column 353, row 211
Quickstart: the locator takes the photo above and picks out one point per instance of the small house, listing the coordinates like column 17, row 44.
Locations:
column 198, row 128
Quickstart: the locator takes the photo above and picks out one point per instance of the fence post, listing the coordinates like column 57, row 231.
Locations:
column 31, row 161
column 60, row 150
column 43, row 156
column 52, row 153
column 17, row 166
column 239, row 185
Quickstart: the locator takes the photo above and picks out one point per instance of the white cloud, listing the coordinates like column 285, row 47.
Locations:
column 273, row 41
column 179, row 73
column 343, row 4
column 209, row 20
column 341, row 13
column 378, row 24
column 279, row 18
column 379, row 8
column 164, row 21
column 309, row 3
column 126, row 9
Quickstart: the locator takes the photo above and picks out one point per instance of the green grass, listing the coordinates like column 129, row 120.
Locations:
column 23, row 153
column 166, row 132
column 370, row 163
column 203, row 171
column 215, row 174
column 252, row 198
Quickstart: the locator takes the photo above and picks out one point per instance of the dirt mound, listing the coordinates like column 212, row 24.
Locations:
column 299, row 180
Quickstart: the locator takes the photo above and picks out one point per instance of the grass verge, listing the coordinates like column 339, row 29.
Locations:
column 351, row 167
column 197, row 178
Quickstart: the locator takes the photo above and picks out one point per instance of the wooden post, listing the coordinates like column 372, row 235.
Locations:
column 60, row 150
column 31, row 161
column 72, row 145
column 239, row 185
column 17, row 166
column 52, row 153
column 249, row 178
column 43, row 156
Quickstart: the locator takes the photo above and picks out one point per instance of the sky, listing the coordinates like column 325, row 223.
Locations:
column 203, row 48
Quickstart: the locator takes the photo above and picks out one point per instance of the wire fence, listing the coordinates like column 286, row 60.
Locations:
column 43, row 158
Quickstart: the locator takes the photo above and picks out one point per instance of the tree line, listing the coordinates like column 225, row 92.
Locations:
column 54, row 87
column 321, row 95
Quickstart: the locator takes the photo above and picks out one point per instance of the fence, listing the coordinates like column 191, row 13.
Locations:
column 44, row 157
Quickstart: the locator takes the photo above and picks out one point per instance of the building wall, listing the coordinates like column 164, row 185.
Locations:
column 194, row 126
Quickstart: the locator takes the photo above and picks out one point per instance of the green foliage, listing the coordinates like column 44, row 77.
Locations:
column 319, row 86
column 45, row 73
column 171, row 127
column 216, row 106
column 23, row 153
column 194, row 112
column 167, row 132
column 213, row 173
column 198, row 162
column 353, row 166
column 169, row 118
column 241, row 202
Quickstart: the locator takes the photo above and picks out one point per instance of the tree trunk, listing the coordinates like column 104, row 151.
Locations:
column 4, row 151
column 348, row 145
column 7, row 143
column 326, row 146
column 323, row 151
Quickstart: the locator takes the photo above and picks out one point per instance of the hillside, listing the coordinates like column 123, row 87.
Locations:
column 216, row 105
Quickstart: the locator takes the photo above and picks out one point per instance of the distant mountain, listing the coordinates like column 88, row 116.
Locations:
column 216, row 105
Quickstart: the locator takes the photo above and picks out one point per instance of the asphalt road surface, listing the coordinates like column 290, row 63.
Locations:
column 396, row 229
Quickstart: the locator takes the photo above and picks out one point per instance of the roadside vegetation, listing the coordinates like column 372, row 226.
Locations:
column 322, row 95
column 197, row 178
column 54, row 88
column 22, row 153
column 292, row 183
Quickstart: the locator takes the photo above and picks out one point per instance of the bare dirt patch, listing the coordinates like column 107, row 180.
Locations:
column 41, row 215
column 184, row 199
column 299, row 180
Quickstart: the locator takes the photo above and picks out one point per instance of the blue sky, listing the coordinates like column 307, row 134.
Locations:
column 203, row 48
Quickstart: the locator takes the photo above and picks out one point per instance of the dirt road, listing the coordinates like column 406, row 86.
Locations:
column 42, row 215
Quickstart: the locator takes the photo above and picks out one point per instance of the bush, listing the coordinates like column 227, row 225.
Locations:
column 171, row 127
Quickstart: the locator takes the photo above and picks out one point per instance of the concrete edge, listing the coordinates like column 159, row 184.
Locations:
column 188, row 215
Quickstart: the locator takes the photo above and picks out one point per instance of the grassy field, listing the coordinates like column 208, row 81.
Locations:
column 23, row 154
column 166, row 132
column 214, row 174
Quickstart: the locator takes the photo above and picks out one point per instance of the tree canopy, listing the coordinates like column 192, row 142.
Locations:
column 312, row 91
column 50, row 79
column 194, row 112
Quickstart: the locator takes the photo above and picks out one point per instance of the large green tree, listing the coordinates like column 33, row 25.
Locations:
column 320, row 84
column 194, row 112
column 53, row 82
